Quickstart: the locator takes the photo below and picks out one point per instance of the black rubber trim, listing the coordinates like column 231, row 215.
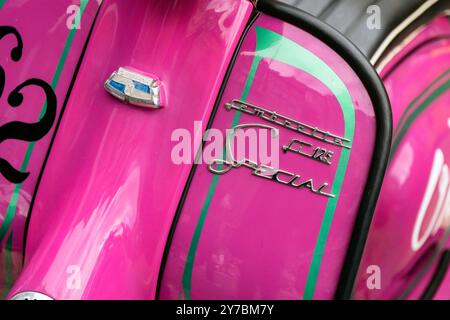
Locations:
column 328, row 10
column 194, row 167
column 69, row 91
column 380, row 100
column 438, row 277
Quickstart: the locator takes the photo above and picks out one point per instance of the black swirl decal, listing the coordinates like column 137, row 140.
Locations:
column 16, row 130
column 2, row 80
column 16, row 52
column 10, row 173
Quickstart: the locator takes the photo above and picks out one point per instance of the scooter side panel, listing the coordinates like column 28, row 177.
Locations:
column 411, row 222
column 243, row 237
column 43, row 41
column 109, row 192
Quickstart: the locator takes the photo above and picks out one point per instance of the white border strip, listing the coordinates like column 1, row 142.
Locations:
column 394, row 34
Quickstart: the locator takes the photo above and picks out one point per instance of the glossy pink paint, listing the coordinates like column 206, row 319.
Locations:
column 258, row 237
column 389, row 245
column 110, row 190
column 44, row 38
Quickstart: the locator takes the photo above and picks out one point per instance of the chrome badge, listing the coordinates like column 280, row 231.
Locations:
column 136, row 89
column 31, row 295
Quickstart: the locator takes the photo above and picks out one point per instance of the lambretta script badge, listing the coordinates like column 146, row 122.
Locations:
column 289, row 123
column 221, row 166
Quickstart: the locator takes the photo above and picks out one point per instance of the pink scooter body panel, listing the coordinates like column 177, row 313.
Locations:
column 404, row 244
column 51, row 46
column 243, row 237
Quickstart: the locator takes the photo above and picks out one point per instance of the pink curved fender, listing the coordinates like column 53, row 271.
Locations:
column 412, row 221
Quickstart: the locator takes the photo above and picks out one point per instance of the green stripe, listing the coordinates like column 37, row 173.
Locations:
column 188, row 268
column 12, row 206
column 417, row 99
column 416, row 112
column 276, row 47
column 8, row 265
column 2, row 3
